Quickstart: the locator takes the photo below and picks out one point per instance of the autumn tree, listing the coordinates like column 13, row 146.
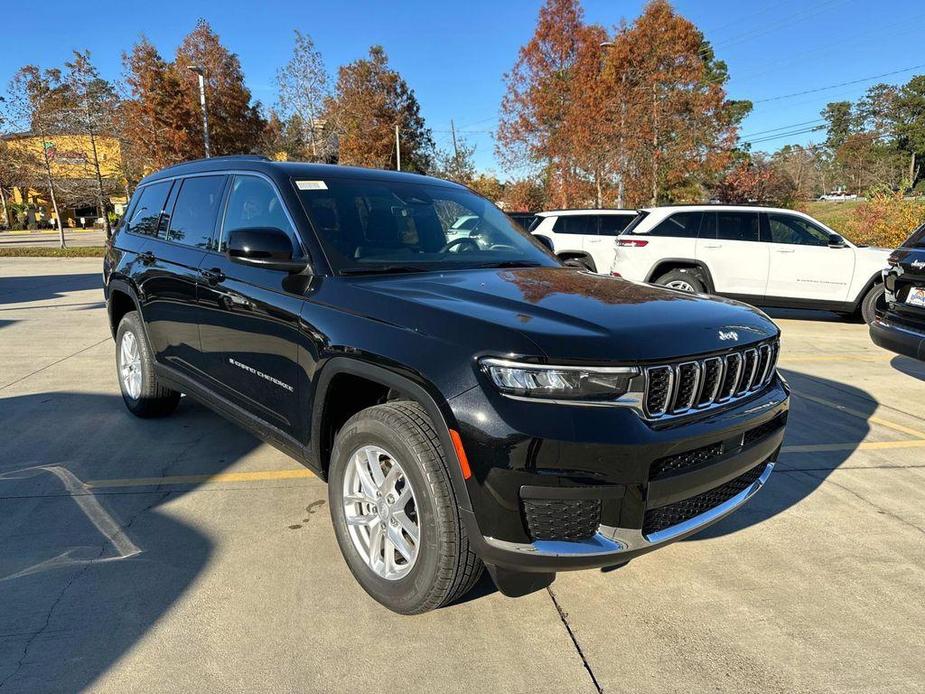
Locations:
column 36, row 100
column 370, row 100
column 758, row 180
column 524, row 195
column 457, row 162
column 235, row 124
column 92, row 113
column 909, row 114
column 539, row 95
column 303, row 90
column 155, row 121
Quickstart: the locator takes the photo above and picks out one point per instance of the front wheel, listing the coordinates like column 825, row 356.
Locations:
column 872, row 302
column 395, row 513
column 142, row 391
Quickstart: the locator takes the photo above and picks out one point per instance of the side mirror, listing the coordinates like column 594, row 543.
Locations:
column 265, row 247
column 836, row 241
column 546, row 241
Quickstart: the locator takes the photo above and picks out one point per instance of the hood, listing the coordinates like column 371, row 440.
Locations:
column 567, row 314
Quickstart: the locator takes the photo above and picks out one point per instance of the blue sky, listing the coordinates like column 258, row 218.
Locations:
column 454, row 54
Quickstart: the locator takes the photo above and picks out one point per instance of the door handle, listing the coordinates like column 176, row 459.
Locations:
column 712, row 245
column 212, row 276
column 147, row 258
column 784, row 250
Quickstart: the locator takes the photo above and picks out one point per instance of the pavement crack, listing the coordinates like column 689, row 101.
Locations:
column 54, row 363
column 563, row 616
column 878, row 508
column 48, row 617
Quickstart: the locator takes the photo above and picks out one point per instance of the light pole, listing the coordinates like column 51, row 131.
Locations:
column 199, row 70
column 622, row 158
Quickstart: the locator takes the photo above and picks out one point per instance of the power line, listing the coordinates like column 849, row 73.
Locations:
column 836, row 86
column 781, row 136
column 782, row 23
column 783, row 127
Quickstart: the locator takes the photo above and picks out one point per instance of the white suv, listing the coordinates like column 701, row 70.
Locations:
column 764, row 256
column 583, row 238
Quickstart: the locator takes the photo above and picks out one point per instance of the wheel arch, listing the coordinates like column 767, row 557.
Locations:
column 394, row 386
column 577, row 255
column 121, row 298
column 668, row 264
column 875, row 279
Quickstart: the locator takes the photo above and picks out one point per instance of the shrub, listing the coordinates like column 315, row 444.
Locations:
column 886, row 220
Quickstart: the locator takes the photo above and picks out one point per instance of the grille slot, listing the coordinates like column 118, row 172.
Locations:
column 731, row 376
column 671, row 464
column 657, row 519
column 672, row 390
column 761, row 432
column 562, row 519
column 687, row 376
column 659, row 385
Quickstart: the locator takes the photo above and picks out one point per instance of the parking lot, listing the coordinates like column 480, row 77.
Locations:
column 183, row 554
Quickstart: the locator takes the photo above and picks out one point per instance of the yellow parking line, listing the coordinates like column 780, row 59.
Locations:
column 863, row 446
column 199, row 479
column 861, row 415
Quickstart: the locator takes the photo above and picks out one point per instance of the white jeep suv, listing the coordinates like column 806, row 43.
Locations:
column 583, row 238
column 763, row 256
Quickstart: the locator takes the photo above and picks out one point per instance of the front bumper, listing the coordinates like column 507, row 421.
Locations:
column 611, row 456
column 897, row 338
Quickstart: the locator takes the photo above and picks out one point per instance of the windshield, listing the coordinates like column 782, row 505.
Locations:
column 917, row 240
column 368, row 226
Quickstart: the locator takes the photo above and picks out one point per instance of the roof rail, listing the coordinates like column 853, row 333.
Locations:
column 249, row 157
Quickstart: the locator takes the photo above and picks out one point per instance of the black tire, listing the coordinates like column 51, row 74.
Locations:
column 687, row 276
column 445, row 568
column 580, row 263
column 154, row 398
column 871, row 302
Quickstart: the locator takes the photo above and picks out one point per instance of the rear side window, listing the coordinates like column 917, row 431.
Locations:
column 685, row 225
column 196, row 210
column 614, row 224
column 736, row 226
column 576, row 224
column 786, row 228
column 147, row 212
column 917, row 240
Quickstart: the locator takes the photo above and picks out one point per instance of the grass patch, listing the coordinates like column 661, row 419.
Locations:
column 41, row 252
column 835, row 215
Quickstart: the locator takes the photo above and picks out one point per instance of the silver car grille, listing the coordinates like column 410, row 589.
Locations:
column 677, row 389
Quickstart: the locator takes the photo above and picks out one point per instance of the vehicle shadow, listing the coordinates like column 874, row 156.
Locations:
column 15, row 290
column 801, row 470
column 909, row 366
column 86, row 571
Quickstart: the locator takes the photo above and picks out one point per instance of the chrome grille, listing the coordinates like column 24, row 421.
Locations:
column 698, row 384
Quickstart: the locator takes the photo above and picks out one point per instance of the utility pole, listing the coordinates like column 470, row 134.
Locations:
column 455, row 147
column 397, row 150
column 199, row 70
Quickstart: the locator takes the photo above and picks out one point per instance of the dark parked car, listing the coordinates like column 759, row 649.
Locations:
column 469, row 403
column 900, row 324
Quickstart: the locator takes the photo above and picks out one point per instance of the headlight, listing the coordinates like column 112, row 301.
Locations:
column 602, row 384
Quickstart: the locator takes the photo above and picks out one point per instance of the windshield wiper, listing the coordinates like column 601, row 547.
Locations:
column 512, row 263
column 383, row 270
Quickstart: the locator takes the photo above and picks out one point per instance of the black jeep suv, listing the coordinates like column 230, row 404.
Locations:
column 470, row 401
column 900, row 327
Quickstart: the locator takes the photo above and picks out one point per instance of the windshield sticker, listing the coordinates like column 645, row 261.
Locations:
column 311, row 185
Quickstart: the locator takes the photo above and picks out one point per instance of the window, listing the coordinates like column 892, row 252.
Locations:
column 576, row 224
column 614, row 224
column 787, row 228
column 254, row 204
column 195, row 211
column 679, row 225
column 147, row 211
column 737, row 226
column 368, row 225
column 917, row 240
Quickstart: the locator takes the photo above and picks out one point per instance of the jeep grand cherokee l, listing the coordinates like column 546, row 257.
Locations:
column 469, row 403
column 900, row 327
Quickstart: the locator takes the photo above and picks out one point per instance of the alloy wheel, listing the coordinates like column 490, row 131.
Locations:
column 130, row 364
column 381, row 512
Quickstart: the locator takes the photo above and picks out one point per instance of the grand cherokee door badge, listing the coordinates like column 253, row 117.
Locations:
column 251, row 369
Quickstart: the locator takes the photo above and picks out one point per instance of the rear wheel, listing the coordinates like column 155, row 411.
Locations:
column 143, row 393
column 395, row 513
column 580, row 263
column 683, row 279
column 872, row 302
